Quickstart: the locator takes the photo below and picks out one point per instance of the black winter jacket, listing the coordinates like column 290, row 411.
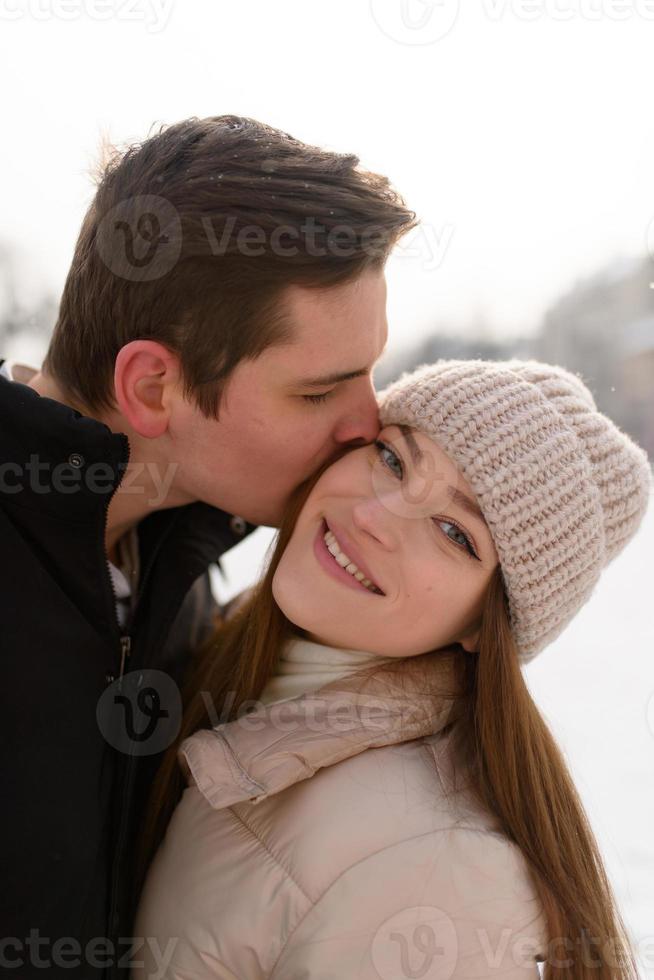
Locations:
column 74, row 783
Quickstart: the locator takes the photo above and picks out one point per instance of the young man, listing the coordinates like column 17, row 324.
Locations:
column 214, row 345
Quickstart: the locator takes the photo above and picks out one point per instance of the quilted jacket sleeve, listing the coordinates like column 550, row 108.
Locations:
column 453, row 905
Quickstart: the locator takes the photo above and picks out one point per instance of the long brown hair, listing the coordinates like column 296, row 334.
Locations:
column 512, row 764
column 232, row 212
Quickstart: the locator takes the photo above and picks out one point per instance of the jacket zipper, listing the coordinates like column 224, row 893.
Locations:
column 125, row 640
column 125, row 650
column 129, row 770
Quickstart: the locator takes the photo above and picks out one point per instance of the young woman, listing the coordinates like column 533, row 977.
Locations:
column 394, row 805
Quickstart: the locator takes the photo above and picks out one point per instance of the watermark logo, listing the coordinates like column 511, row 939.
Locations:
column 421, row 22
column 140, row 239
column 415, row 22
column 140, row 713
column 418, row 942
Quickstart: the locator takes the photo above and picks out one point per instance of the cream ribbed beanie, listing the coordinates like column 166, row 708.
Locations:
column 561, row 487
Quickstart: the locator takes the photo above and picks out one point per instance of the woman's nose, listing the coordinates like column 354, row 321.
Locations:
column 373, row 516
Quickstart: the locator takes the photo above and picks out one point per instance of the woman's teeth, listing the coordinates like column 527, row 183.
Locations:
column 349, row 566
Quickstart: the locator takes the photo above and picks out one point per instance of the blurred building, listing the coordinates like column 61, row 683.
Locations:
column 602, row 329
column 637, row 380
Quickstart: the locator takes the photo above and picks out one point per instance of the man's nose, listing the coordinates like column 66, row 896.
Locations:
column 360, row 425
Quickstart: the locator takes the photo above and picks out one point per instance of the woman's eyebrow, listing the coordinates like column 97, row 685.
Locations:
column 414, row 448
column 458, row 497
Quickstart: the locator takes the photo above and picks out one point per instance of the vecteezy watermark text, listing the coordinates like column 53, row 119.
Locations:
column 422, row 22
column 67, row 952
column 43, row 477
column 141, row 237
column 154, row 13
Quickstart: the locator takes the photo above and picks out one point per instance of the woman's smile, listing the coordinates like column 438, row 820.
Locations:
column 333, row 567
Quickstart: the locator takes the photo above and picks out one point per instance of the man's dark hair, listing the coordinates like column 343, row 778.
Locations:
column 193, row 236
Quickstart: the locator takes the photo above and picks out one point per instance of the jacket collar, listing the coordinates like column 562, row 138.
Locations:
column 61, row 469
column 60, row 460
column 269, row 749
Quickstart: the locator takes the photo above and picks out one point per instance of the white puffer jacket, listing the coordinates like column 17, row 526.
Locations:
column 327, row 837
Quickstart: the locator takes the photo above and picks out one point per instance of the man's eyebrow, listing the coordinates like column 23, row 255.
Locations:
column 332, row 379
column 458, row 497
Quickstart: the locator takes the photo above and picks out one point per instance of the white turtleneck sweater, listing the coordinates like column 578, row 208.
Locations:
column 305, row 666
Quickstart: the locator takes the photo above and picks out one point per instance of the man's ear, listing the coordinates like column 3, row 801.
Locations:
column 146, row 376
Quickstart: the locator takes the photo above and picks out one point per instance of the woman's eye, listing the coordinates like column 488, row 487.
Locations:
column 463, row 541
column 382, row 448
column 317, row 399
column 384, row 451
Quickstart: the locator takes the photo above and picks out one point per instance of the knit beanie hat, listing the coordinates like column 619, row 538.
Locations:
column 561, row 487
